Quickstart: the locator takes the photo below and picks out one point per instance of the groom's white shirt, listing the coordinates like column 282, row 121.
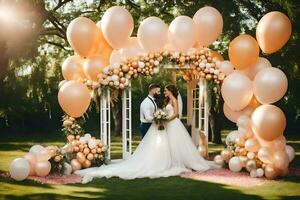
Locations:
column 147, row 109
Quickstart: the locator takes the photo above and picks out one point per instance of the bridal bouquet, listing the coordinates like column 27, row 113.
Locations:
column 159, row 117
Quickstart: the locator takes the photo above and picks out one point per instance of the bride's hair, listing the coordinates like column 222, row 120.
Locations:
column 172, row 88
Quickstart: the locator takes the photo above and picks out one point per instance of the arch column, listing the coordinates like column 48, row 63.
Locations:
column 126, row 123
column 105, row 120
column 199, row 120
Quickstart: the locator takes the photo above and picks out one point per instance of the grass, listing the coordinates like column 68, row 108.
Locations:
column 114, row 188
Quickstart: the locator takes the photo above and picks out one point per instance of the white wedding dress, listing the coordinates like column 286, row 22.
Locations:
column 161, row 153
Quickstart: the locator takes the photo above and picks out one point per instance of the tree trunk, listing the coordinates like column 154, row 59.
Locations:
column 116, row 110
column 215, row 120
column 216, row 129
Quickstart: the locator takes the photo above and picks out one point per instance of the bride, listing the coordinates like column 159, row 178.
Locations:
column 161, row 153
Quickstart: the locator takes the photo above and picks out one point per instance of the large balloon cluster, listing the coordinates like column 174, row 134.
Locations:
column 80, row 152
column 35, row 162
column 250, row 88
column 106, row 53
column 84, row 151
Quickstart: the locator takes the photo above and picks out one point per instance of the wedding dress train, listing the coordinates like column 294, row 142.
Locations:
column 161, row 153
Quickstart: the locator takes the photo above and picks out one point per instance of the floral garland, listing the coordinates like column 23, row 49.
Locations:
column 195, row 64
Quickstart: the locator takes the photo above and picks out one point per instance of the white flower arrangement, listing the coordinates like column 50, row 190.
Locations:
column 159, row 117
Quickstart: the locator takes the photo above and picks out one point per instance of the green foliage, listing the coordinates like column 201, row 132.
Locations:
column 73, row 128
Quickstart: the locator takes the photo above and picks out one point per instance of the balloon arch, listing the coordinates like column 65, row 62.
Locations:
column 107, row 58
column 196, row 66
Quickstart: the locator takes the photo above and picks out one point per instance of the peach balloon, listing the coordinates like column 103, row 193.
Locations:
column 252, row 145
column 105, row 55
column 281, row 159
column 82, row 34
column 265, row 155
column 116, row 57
column 153, row 34
column 74, row 98
column 76, row 165
column 217, row 55
column 283, row 172
column 72, row 68
column 244, row 121
column 43, row 155
column 42, row 168
column 103, row 49
column 182, row 33
column 273, row 31
column 270, row 172
column 198, row 46
column 234, row 115
column 132, row 48
column 268, row 122
column 251, row 71
column 226, row 67
column 61, row 83
column 103, row 44
column 243, row 51
column 270, row 85
column 209, row 24
column 237, row 91
column 117, row 26
column 277, row 144
column 30, row 157
column 93, row 66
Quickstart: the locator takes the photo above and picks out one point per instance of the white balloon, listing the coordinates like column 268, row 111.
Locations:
column 250, row 155
column 237, row 91
column 231, row 137
column 156, row 70
column 182, row 33
column 235, row 164
column 290, row 152
column 19, row 169
column 218, row 160
column 253, row 173
column 67, row 169
column 87, row 137
column 153, row 34
column 260, row 172
column 36, row 149
column 92, row 144
column 82, row 140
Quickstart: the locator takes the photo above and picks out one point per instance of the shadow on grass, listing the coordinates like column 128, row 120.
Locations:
column 24, row 183
column 174, row 188
column 290, row 197
column 20, row 146
column 41, row 197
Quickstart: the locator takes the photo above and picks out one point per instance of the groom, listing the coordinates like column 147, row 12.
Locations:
column 148, row 108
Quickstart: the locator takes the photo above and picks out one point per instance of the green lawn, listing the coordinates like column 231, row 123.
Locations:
column 163, row 188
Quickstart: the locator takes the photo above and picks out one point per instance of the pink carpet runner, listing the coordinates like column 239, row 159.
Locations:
column 222, row 176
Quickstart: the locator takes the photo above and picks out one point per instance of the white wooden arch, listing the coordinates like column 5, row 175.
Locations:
column 197, row 107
